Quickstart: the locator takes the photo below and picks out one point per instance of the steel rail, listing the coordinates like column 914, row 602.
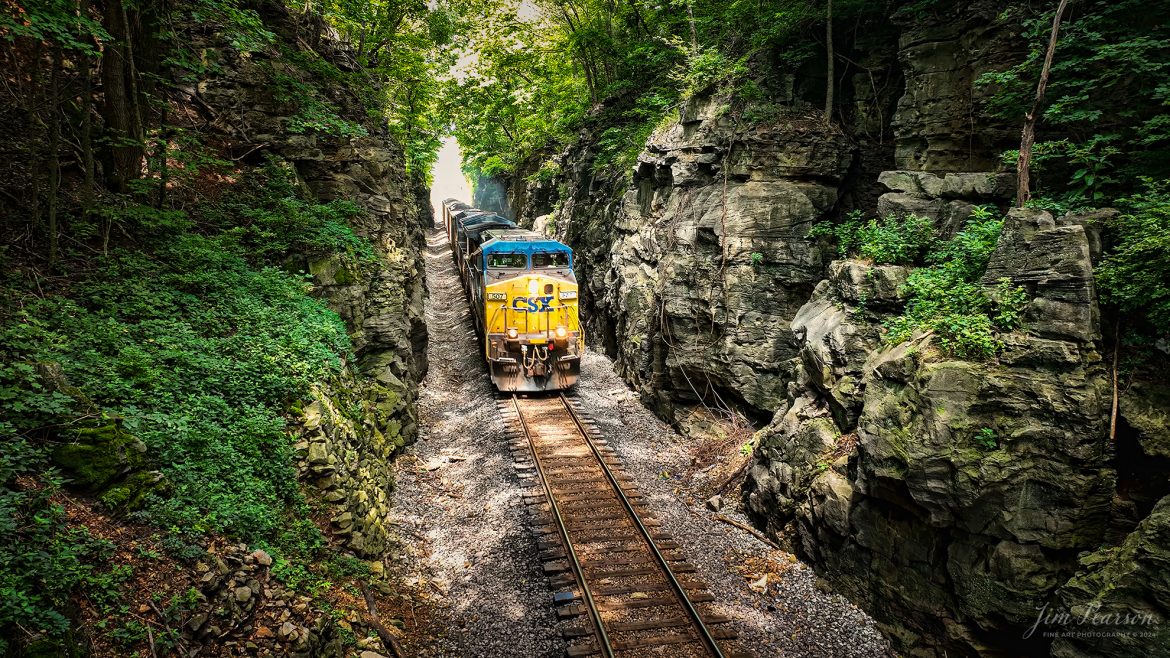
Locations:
column 594, row 613
column 704, row 633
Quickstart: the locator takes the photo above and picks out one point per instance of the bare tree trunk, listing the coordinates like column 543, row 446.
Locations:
column 86, row 106
column 829, row 72
column 130, row 53
column 1028, row 136
column 163, row 147
column 36, row 176
column 87, row 135
column 694, row 35
column 1116, row 397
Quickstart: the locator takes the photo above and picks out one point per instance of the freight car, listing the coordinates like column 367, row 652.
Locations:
column 523, row 296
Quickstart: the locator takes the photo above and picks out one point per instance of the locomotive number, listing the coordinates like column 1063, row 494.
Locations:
column 569, row 294
column 497, row 296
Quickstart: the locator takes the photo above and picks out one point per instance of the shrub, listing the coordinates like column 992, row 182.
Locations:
column 890, row 240
column 43, row 561
column 946, row 296
column 198, row 342
column 1135, row 275
column 313, row 114
column 268, row 219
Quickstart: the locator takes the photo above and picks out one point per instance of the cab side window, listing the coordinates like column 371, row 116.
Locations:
column 550, row 260
column 507, row 261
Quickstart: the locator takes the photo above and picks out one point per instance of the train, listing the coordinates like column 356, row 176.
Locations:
column 523, row 296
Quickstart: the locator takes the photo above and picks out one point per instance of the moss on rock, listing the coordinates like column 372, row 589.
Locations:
column 98, row 456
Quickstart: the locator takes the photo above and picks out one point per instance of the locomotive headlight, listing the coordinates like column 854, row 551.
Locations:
column 513, row 333
column 533, row 287
column 562, row 332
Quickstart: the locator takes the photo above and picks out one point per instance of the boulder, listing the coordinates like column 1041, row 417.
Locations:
column 710, row 261
column 868, row 285
column 1118, row 603
column 95, row 457
column 1054, row 265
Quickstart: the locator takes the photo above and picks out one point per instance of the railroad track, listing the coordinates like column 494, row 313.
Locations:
column 613, row 569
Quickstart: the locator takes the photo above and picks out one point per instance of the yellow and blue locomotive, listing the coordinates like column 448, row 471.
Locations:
column 523, row 295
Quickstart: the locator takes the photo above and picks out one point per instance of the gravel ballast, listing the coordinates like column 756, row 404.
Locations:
column 458, row 497
column 459, row 507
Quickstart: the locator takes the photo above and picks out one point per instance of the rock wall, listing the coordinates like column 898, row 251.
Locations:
column 948, row 497
column 350, row 431
column 941, row 123
column 708, row 261
column 953, row 500
column 242, row 609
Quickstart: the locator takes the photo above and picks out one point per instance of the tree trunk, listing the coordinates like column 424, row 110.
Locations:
column 121, row 108
column 1116, row 397
column 86, row 106
column 54, row 148
column 829, row 73
column 163, row 148
column 694, row 35
column 1028, row 135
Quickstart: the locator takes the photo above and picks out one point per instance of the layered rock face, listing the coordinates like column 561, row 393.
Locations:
column 941, row 124
column 709, row 262
column 344, row 453
column 953, row 500
column 948, row 497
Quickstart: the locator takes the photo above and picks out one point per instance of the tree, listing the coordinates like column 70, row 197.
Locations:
column 1028, row 136
column 829, row 74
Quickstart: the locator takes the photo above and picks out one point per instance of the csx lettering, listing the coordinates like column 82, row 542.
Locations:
column 532, row 304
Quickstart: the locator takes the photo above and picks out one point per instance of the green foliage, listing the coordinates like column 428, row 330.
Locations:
column 52, row 21
column 198, row 344
column 196, row 341
column 987, row 439
column 620, row 143
column 1107, row 111
column 707, row 67
column 891, row 240
column 243, row 26
column 268, row 220
column 403, row 48
column 314, row 113
column 1135, row 275
column 947, row 298
column 198, row 359
column 43, row 560
column 1009, row 302
column 556, row 67
column 549, row 170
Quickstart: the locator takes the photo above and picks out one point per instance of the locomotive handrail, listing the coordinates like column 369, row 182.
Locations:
column 563, row 308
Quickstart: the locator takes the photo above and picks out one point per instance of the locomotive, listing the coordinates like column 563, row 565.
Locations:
column 523, row 296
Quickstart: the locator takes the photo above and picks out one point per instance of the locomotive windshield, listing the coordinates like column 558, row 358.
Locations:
column 550, row 260
column 498, row 260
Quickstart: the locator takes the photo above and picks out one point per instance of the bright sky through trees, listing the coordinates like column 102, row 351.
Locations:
column 449, row 181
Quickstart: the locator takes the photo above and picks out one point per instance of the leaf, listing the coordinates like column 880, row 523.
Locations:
column 759, row 586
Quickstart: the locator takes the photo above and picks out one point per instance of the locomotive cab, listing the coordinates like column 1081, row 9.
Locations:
column 471, row 235
column 528, row 310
